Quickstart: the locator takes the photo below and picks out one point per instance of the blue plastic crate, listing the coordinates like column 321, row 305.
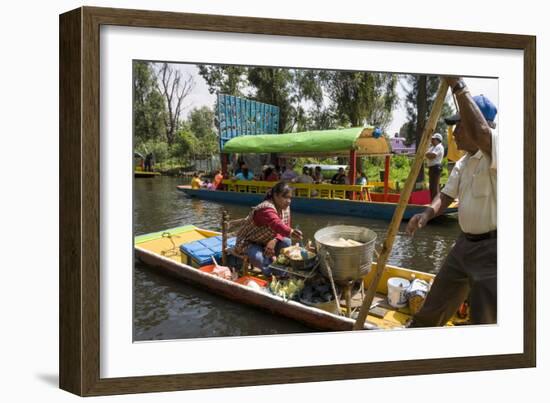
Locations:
column 200, row 252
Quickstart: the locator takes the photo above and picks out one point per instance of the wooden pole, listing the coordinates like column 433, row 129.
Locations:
column 332, row 285
column 224, row 158
column 225, row 219
column 386, row 176
column 403, row 199
column 352, row 169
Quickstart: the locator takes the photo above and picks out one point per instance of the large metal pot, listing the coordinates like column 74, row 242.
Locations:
column 347, row 263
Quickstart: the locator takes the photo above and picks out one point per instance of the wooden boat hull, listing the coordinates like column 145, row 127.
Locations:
column 378, row 210
column 312, row 317
column 145, row 174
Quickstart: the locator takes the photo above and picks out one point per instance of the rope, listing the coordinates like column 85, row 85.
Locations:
column 173, row 251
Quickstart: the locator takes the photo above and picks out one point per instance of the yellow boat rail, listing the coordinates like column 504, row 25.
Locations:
column 310, row 190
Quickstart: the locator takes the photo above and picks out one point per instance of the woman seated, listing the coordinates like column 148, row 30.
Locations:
column 267, row 228
column 245, row 174
column 270, row 175
column 218, row 180
column 318, row 175
column 196, row 182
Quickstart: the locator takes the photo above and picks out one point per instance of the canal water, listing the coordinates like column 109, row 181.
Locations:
column 165, row 308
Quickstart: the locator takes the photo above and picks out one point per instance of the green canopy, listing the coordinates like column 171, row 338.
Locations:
column 320, row 142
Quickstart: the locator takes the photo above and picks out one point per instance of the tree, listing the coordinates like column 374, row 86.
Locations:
column 201, row 125
column 229, row 80
column 361, row 97
column 174, row 89
column 149, row 108
column 423, row 94
column 275, row 86
column 185, row 144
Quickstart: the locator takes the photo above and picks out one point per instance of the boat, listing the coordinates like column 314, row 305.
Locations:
column 162, row 251
column 350, row 200
column 145, row 174
column 139, row 167
column 317, row 205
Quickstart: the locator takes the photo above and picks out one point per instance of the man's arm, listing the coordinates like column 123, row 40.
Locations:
column 437, row 207
column 472, row 119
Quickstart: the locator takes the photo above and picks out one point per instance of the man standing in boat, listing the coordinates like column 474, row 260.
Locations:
column 267, row 228
column 435, row 156
column 470, row 269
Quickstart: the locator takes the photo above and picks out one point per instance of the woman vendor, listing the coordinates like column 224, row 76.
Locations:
column 267, row 228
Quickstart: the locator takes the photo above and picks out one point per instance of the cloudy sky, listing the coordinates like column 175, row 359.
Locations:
column 200, row 95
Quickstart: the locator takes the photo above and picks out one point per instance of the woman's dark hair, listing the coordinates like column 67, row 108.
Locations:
column 281, row 188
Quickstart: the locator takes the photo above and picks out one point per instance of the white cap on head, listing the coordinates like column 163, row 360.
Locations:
column 437, row 136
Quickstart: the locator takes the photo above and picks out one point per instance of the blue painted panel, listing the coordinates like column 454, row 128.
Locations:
column 242, row 116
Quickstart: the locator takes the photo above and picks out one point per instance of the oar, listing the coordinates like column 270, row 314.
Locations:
column 403, row 200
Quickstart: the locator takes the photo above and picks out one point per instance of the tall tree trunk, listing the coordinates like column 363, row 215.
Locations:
column 422, row 111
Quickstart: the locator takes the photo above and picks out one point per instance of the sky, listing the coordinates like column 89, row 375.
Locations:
column 200, row 95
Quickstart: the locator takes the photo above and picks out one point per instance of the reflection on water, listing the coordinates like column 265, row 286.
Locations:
column 166, row 308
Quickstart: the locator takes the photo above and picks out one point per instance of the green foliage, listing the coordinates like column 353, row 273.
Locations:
column 201, row 124
column 149, row 107
column 361, row 97
column 185, row 144
column 159, row 148
column 274, row 86
column 229, row 80
column 356, row 97
column 408, row 130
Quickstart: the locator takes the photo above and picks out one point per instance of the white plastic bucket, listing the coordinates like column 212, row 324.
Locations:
column 397, row 291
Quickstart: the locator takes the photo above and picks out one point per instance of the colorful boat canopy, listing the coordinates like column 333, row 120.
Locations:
column 321, row 142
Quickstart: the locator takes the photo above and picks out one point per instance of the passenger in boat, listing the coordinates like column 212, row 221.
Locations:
column 245, row 174
column 470, row 269
column 304, row 177
column 218, row 178
column 196, row 182
column 339, row 178
column 318, row 175
column 149, row 162
column 267, row 228
column 288, row 175
column 270, row 175
column 239, row 167
column 434, row 155
column 362, row 179
column 207, row 185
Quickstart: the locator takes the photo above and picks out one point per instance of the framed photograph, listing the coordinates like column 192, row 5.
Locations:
column 173, row 126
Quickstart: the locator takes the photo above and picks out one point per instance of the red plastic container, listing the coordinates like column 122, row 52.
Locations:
column 207, row 269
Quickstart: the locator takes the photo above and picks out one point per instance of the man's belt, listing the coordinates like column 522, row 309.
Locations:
column 480, row 237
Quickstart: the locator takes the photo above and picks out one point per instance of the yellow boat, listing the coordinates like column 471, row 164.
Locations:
column 145, row 174
column 161, row 250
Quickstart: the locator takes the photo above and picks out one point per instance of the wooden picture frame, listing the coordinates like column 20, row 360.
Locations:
column 80, row 199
